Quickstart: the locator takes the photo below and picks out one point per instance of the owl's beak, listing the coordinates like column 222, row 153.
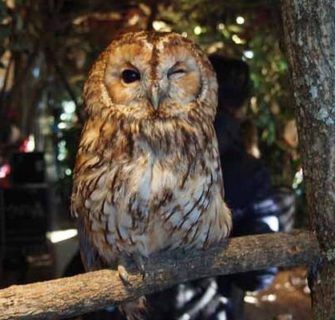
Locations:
column 154, row 97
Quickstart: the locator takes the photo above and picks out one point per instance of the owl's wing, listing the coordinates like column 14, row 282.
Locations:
column 92, row 162
column 89, row 255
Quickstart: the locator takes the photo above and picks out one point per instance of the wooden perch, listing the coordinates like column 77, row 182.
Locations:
column 83, row 293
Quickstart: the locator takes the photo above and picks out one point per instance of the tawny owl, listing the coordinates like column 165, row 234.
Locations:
column 148, row 175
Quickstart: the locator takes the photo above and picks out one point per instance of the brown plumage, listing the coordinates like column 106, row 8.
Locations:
column 148, row 175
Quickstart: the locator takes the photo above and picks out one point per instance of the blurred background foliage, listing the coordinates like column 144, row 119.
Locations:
column 47, row 47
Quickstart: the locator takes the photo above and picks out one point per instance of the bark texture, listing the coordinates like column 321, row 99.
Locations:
column 90, row 291
column 309, row 27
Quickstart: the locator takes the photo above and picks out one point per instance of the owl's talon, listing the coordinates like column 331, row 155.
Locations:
column 139, row 261
column 123, row 274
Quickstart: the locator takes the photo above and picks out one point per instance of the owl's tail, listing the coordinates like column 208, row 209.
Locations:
column 135, row 310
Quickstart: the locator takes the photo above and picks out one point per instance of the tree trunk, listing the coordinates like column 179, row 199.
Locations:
column 309, row 27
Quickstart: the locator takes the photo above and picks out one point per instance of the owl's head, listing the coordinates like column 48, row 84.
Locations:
column 150, row 75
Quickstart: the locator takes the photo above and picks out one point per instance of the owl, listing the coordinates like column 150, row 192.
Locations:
column 147, row 177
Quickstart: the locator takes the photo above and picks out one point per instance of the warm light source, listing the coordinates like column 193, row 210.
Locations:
column 61, row 235
column 160, row 26
column 220, row 26
column 69, row 106
column 4, row 170
column 298, row 178
column 215, row 47
column 62, row 125
column 248, row 54
column 28, row 145
column 269, row 297
column 31, row 143
column 240, row 20
column 250, row 299
column 197, row 30
column 237, row 39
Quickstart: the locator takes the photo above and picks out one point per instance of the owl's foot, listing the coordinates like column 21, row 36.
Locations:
column 139, row 261
column 127, row 263
column 123, row 273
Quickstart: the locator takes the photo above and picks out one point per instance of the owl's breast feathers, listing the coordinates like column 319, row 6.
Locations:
column 149, row 185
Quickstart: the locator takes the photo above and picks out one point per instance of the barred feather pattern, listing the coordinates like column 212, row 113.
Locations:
column 148, row 179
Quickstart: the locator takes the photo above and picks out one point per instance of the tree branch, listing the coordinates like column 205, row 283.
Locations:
column 91, row 291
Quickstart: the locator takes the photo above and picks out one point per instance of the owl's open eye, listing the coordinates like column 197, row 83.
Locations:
column 130, row 75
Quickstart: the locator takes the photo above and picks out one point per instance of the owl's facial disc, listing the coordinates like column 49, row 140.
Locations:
column 152, row 76
column 152, row 80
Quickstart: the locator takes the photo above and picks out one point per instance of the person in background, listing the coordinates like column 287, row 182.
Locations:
column 255, row 204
